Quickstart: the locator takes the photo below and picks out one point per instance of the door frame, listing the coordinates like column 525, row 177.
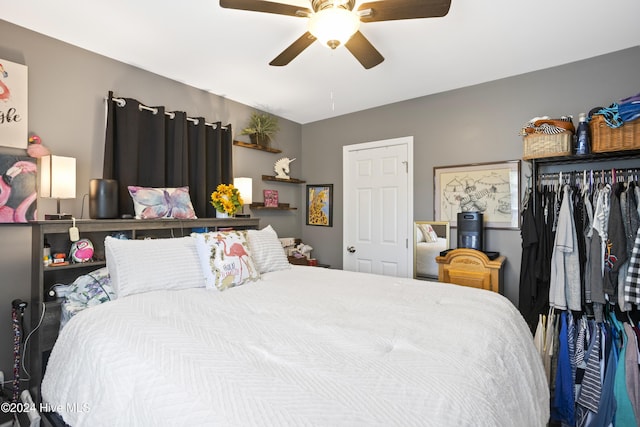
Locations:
column 346, row 150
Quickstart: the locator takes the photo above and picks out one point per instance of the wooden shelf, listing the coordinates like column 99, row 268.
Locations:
column 290, row 180
column 256, row 147
column 74, row 265
column 281, row 207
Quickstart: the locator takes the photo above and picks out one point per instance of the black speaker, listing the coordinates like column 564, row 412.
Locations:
column 470, row 230
column 103, row 198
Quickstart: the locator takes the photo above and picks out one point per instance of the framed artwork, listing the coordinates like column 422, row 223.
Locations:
column 270, row 198
column 14, row 130
column 17, row 188
column 320, row 205
column 490, row 188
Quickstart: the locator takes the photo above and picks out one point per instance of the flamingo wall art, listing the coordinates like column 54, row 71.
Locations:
column 13, row 104
column 17, row 188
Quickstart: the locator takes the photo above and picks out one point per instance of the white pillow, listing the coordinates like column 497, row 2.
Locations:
column 137, row 266
column 225, row 259
column 266, row 250
column 419, row 235
column 430, row 235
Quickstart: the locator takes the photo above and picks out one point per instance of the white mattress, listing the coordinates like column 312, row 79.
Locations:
column 306, row 346
column 426, row 253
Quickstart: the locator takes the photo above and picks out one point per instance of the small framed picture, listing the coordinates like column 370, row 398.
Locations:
column 320, row 205
column 270, row 198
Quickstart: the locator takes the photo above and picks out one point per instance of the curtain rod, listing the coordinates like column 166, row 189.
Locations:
column 121, row 102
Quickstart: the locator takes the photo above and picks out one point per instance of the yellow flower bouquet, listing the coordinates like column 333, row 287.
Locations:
column 226, row 199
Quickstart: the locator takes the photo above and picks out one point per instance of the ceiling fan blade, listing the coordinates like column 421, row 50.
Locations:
column 265, row 6
column 293, row 50
column 363, row 50
column 390, row 10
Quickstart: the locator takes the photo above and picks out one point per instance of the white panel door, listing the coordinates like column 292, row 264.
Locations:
column 377, row 207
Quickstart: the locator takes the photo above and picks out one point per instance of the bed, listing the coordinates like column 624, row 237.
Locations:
column 431, row 238
column 296, row 346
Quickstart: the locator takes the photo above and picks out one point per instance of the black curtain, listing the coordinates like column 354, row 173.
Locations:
column 147, row 147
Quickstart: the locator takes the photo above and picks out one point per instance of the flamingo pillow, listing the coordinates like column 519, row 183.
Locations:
column 225, row 258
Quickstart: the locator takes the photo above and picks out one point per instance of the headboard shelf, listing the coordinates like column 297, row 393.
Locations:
column 56, row 234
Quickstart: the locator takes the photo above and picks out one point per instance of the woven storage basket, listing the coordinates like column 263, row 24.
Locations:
column 544, row 145
column 604, row 138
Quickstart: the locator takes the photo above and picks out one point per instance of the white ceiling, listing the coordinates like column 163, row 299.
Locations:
column 227, row 51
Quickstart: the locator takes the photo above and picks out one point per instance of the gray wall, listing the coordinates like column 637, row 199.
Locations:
column 67, row 88
column 474, row 124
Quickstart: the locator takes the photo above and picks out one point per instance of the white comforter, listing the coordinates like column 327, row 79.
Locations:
column 306, row 346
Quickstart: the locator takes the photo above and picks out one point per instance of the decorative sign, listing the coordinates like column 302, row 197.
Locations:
column 13, row 105
column 270, row 198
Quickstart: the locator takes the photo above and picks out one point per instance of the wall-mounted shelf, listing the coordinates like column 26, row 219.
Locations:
column 256, row 147
column 290, row 180
column 281, row 207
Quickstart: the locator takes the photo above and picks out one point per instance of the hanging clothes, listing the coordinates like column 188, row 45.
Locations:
column 632, row 282
column 530, row 303
column 587, row 245
column 564, row 287
column 616, row 253
column 563, row 406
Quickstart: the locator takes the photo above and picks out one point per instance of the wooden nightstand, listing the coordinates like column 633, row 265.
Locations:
column 469, row 267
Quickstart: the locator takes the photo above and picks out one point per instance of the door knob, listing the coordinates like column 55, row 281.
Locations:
column 351, row 249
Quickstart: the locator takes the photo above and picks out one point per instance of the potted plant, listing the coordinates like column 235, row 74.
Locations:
column 261, row 128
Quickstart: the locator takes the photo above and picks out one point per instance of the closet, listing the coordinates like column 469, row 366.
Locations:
column 574, row 291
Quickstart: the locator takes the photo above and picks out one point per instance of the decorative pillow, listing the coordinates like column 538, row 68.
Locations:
column 432, row 233
column 266, row 250
column 430, row 236
column 225, row 259
column 419, row 235
column 86, row 291
column 147, row 265
column 150, row 203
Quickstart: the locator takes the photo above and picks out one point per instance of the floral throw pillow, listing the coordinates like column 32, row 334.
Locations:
column 86, row 291
column 225, row 258
column 150, row 203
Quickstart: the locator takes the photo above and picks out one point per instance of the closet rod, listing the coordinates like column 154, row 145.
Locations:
column 121, row 102
column 609, row 172
column 613, row 175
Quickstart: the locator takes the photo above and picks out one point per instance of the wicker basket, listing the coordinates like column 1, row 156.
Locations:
column 604, row 138
column 538, row 145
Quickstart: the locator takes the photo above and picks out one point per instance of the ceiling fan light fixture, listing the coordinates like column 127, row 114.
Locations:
column 334, row 26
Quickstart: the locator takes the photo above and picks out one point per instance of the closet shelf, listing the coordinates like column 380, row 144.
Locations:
column 615, row 155
column 256, row 147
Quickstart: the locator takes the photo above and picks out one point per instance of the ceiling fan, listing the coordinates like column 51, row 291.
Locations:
column 335, row 22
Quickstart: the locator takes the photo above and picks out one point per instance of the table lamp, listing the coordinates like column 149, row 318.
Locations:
column 245, row 187
column 58, row 181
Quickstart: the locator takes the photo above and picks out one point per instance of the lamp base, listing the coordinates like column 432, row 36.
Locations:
column 48, row 217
